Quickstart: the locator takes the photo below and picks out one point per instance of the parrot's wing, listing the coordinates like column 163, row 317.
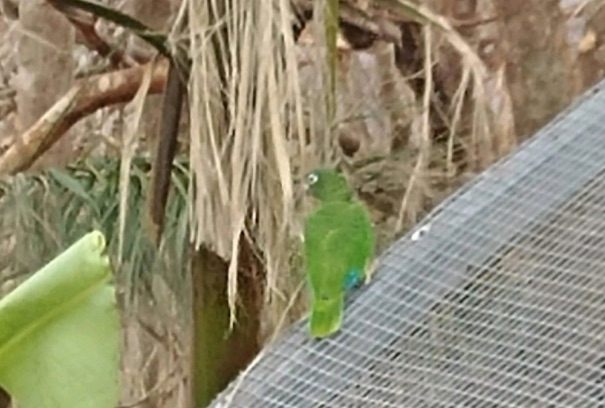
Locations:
column 326, row 267
column 367, row 238
column 339, row 239
column 360, row 239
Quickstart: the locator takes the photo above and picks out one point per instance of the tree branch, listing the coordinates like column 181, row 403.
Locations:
column 85, row 97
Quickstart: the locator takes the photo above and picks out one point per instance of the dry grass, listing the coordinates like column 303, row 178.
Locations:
column 128, row 149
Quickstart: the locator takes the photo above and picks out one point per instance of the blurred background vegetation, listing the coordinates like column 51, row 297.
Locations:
column 410, row 99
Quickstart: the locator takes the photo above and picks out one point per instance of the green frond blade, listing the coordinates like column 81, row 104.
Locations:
column 59, row 333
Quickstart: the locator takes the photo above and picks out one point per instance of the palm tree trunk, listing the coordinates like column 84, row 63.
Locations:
column 220, row 353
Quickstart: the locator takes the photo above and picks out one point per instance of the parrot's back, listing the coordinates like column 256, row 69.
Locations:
column 339, row 245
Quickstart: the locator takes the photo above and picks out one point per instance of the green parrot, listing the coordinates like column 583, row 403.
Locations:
column 339, row 248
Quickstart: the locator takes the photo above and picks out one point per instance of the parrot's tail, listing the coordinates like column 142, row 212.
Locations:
column 326, row 316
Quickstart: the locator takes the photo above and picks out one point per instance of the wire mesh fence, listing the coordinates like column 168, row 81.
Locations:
column 496, row 300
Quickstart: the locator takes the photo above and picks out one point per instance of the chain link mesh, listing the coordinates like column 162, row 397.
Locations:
column 499, row 303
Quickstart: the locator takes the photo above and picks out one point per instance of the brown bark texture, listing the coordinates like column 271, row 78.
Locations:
column 85, row 97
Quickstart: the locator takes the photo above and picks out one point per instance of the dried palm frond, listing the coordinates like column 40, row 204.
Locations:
column 246, row 124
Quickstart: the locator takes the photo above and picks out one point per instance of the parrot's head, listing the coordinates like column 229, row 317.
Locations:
column 328, row 185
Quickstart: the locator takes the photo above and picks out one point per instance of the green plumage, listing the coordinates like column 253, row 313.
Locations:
column 339, row 246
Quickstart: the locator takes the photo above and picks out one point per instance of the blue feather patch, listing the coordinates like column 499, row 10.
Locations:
column 353, row 279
